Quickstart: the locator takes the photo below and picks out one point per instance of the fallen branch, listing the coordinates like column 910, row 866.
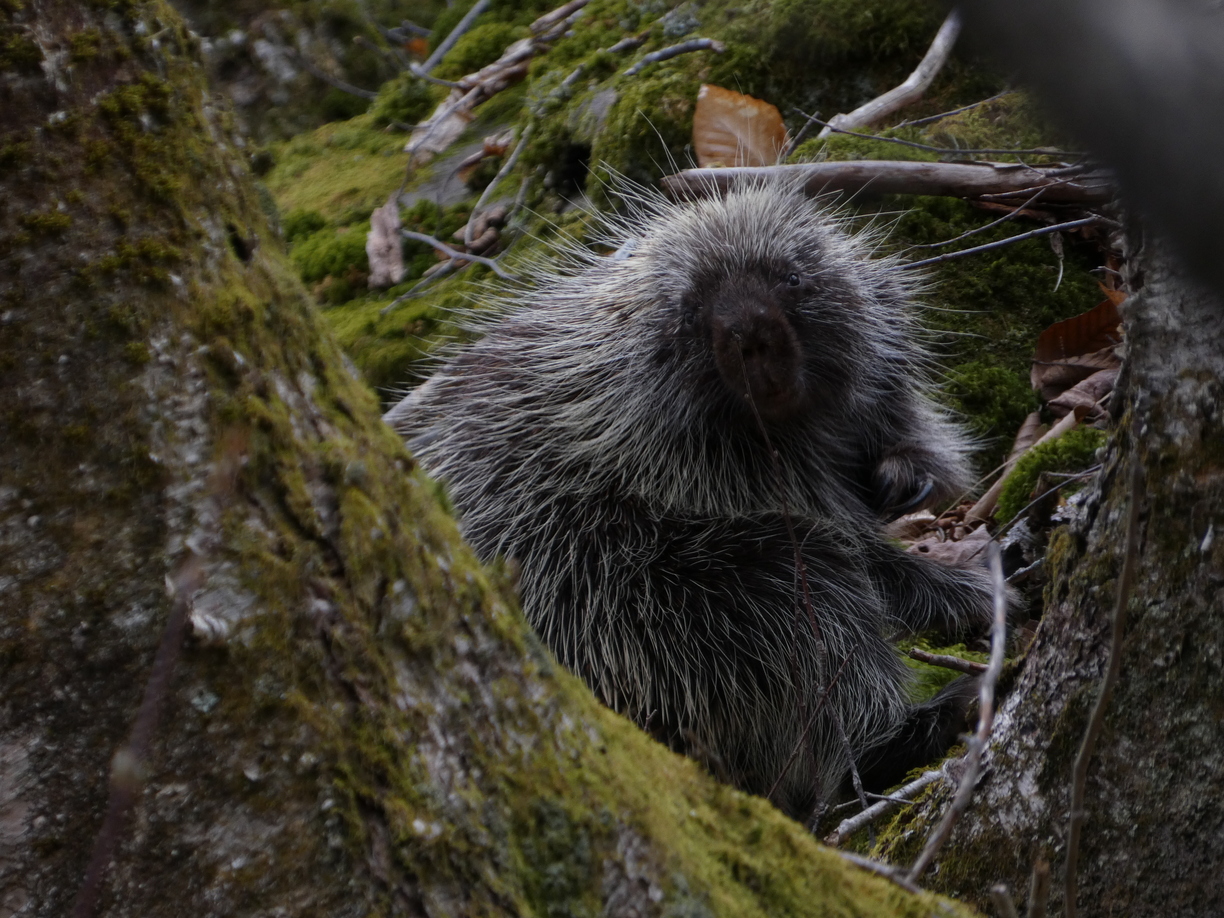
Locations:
column 913, row 87
column 1079, row 778
column 957, row 180
column 693, row 44
column 896, row 874
column 488, row 190
column 457, row 255
column 433, row 135
column 961, row 665
column 901, row 796
column 455, row 34
column 977, row 742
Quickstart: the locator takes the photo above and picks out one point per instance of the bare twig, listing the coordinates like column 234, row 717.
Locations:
column 488, row 190
column 418, row 70
column 460, row 256
column 418, row 287
column 1006, row 181
column 456, row 33
column 899, row 797
column 811, row 722
column 794, row 142
column 1097, row 719
column 334, row 81
column 1039, row 889
column 1010, row 215
column 961, row 665
column 1031, row 234
column 1001, row 896
column 977, row 742
column 944, row 151
column 896, row 874
column 629, row 43
column 693, row 44
column 128, row 767
column 914, row 86
column 955, row 111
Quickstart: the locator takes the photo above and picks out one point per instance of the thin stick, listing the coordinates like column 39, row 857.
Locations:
column 961, row 665
column 456, row 33
column 461, row 256
column 811, row 721
column 419, row 286
column 1097, row 720
column 914, row 86
column 335, row 81
column 977, row 742
column 501, row 174
column 1031, row 234
column 901, row 796
column 791, row 144
column 955, row 111
column 1039, row 889
column 1001, row 896
column 128, row 766
column 885, row 870
column 829, row 128
column 1010, row 215
column 694, row 44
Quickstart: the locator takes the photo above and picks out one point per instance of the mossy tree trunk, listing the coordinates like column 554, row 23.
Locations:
column 359, row 721
column 1154, row 828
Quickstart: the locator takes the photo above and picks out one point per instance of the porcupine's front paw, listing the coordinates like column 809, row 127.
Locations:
column 899, row 487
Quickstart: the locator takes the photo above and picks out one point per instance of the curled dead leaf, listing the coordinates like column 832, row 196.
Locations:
column 732, row 129
column 1070, row 351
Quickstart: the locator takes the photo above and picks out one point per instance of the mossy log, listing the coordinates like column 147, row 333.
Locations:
column 359, row 721
column 1154, row 815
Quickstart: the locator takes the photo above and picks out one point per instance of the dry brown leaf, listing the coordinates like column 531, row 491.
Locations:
column 1086, row 394
column 732, row 129
column 1069, row 352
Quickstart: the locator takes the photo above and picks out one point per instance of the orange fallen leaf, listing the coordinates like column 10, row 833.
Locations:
column 732, row 129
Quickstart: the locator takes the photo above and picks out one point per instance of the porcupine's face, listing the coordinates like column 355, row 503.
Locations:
column 761, row 301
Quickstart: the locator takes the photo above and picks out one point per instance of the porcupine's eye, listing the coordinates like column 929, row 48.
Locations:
column 793, row 280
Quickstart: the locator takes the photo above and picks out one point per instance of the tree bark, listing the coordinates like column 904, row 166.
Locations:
column 359, row 720
column 1154, row 826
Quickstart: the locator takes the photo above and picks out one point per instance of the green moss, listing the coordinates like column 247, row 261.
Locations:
column 403, row 100
column 994, row 399
column 1074, row 451
column 46, row 223
column 300, row 223
column 84, row 45
column 342, row 170
column 18, row 52
column 331, row 251
column 479, row 46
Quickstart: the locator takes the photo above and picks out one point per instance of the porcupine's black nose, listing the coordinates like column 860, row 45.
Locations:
column 756, row 349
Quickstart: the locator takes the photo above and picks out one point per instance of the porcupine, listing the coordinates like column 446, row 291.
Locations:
column 689, row 450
